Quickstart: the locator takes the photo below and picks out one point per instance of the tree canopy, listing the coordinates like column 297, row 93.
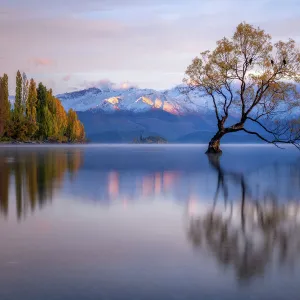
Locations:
column 36, row 115
column 249, row 76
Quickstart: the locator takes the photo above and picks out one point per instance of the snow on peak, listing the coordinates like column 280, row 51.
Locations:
column 175, row 101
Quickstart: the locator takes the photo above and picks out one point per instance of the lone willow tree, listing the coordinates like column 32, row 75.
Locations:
column 252, row 85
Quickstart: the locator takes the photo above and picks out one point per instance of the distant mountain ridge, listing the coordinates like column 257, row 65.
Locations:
column 177, row 101
column 180, row 115
column 124, row 127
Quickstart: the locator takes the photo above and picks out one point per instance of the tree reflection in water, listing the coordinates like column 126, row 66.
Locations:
column 250, row 234
column 34, row 175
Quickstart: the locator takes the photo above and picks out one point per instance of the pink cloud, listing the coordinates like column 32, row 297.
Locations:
column 107, row 84
column 42, row 62
column 126, row 85
column 67, row 77
column 102, row 83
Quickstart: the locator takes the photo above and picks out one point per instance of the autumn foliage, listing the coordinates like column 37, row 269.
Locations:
column 250, row 76
column 36, row 115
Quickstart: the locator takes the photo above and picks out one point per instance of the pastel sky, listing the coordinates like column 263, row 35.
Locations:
column 74, row 44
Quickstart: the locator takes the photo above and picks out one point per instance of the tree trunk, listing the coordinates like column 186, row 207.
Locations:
column 214, row 144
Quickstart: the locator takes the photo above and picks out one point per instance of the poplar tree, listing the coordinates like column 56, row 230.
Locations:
column 75, row 129
column 4, row 104
column 71, row 130
column 6, row 96
column 31, row 109
column 31, row 101
column 2, row 120
column 24, row 91
column 18, row 108
column 37, row 114
column 41, row 106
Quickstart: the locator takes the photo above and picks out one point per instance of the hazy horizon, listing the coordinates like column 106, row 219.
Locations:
column 73, row 45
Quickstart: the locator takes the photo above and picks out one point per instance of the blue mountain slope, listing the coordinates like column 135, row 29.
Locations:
column 123, row 127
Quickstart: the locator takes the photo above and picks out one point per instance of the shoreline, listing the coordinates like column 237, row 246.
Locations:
column 41, row 143
column 126, row 144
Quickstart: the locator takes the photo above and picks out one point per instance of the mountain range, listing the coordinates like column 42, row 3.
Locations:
column 176, row 101
column 179, row 115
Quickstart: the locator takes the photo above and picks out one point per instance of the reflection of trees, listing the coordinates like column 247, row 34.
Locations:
column 35, row 176
column 250, row 234
column 4, row 185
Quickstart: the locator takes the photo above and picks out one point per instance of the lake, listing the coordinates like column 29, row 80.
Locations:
column 149, row 222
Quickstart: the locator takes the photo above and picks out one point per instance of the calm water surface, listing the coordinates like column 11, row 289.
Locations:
column 149, row 222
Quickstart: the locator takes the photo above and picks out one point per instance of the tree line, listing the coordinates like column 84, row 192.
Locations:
column 37, row 115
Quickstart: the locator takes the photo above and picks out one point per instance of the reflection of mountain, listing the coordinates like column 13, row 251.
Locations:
column 34, row 176
column 257, row 230
column 112, row 186
column 141, row 173
column 134, row 177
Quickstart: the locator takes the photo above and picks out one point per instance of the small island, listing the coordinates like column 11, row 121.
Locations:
column 150, row 140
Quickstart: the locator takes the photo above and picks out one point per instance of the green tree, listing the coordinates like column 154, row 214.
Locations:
column 250, row 76
column 6, row 97
column 17, row 126
column 4, row 105
column 25, row 89
column 31, row 109
column 18, row 107
column 2, row 112
column 41, row 105
column 37, row 114
column 48, row 125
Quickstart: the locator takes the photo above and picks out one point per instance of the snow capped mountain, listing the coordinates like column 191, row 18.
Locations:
column 176, row 101
column 178, row 115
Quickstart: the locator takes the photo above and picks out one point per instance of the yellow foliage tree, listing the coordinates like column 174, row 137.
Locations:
column 249, row 75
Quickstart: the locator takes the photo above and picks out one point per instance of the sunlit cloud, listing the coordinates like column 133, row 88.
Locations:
column 42, row 61
column 101, row 84
column 106, row 84
column 67, row 77
column 125, row 85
